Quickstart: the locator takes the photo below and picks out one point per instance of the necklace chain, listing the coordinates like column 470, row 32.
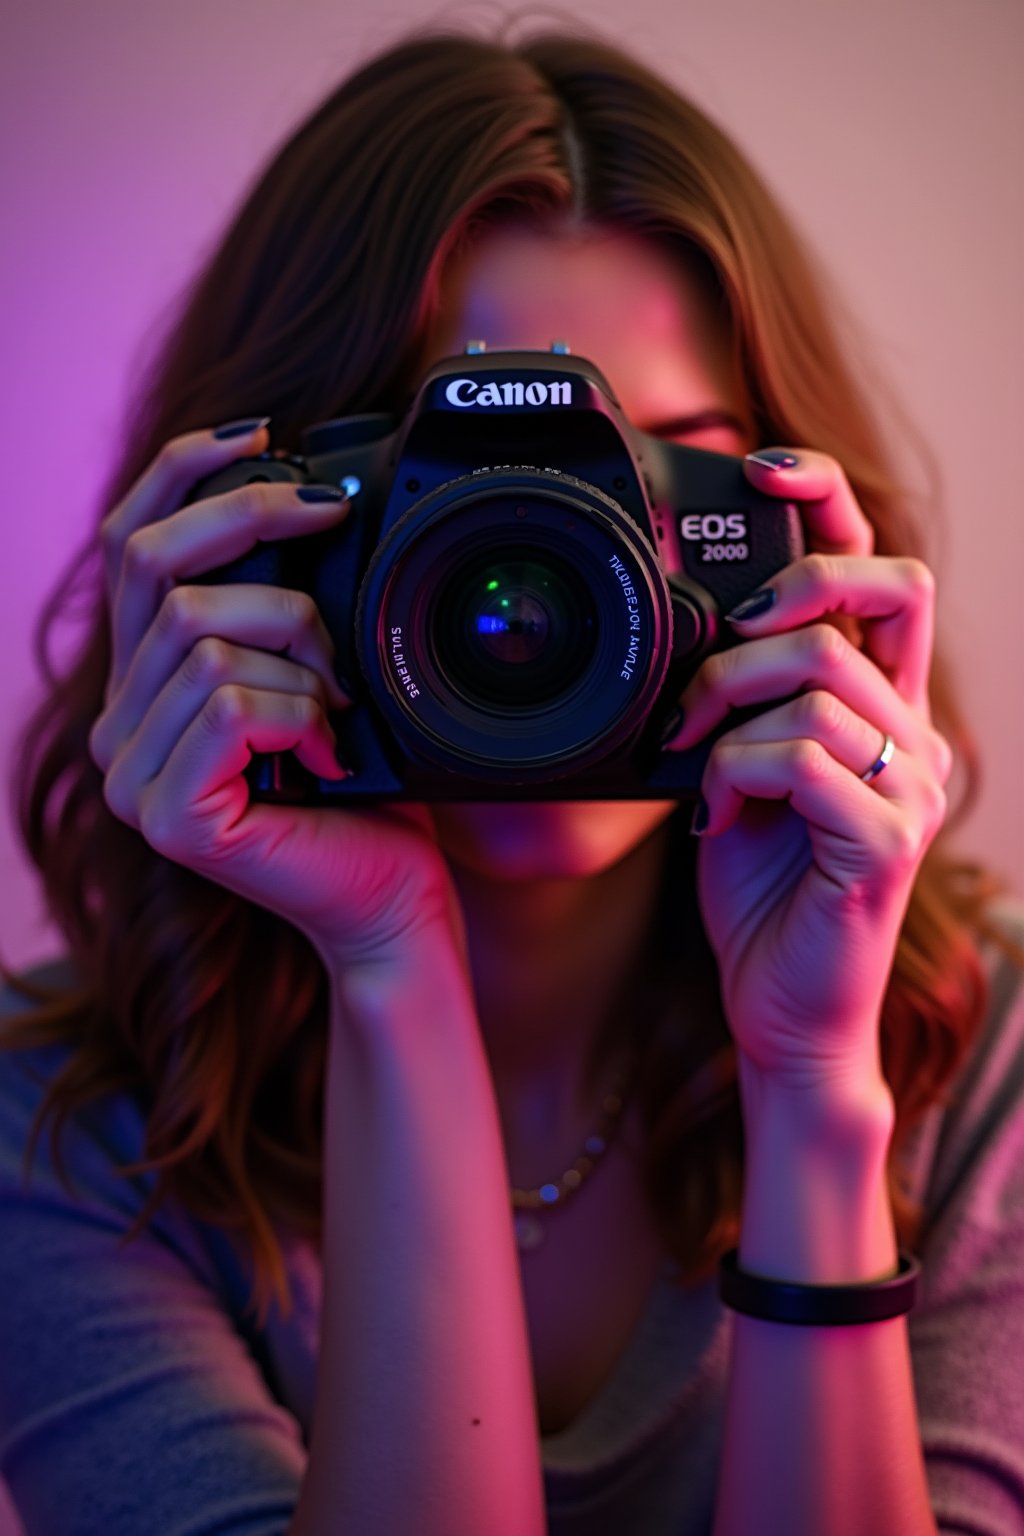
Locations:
column 529, row 1229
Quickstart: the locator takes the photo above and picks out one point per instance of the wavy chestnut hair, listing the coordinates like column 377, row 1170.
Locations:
column 211, row 1010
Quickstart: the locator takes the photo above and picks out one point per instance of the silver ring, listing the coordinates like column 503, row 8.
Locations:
column 882, row 761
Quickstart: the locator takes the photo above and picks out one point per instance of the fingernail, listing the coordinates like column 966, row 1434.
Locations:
column 753, row 606
column 701, row 816
column 671, row 726
column 242, row 428
column 774, row 458
column 320, row 493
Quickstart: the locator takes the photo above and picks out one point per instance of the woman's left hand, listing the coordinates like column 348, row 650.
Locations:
column 804, row 871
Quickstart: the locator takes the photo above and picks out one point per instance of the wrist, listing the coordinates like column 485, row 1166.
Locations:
column 816, row 1208
column 424, row 974
column 848, row 1114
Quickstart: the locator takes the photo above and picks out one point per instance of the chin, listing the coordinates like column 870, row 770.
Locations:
column 545, row 839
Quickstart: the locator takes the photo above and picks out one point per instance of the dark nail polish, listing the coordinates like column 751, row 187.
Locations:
column 242, row 428
column 320, row 493
column 701, row 816
column 753, row 606
column 671, row 726
column 774, row 458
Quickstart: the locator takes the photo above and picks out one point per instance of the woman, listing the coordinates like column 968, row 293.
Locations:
column 302, row 1055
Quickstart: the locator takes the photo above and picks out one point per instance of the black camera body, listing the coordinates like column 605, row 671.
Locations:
column 522, row 588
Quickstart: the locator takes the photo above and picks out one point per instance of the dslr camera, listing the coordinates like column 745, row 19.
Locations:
column 523, row 587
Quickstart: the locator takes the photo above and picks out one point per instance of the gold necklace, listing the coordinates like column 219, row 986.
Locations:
column 526, row 1203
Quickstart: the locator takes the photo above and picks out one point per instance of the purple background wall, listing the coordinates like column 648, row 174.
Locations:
column 891, row 130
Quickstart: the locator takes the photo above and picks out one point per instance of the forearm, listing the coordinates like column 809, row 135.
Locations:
column 821, row 1430
column 425, row 1417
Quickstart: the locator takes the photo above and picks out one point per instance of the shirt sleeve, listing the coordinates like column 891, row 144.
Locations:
column 130, row 1401
column 967, row 1331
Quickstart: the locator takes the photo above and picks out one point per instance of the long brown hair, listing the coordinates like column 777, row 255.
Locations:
column 213, row 1011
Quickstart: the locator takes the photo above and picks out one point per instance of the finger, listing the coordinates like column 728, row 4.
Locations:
column 830, row 512
column 200, row 538
column 212, row 664
column 851, row 740
column 894, row 596
column 854, row 827
column 270, row 618
column 199, row 794
column 780, row 665
column 162, row 486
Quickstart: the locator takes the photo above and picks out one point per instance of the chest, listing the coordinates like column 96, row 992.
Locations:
column 587, row 1286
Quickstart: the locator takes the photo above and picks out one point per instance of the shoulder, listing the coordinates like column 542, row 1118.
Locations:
column 1005, row 976
column 55, row 977
column 133, row 1385
column 998, row 1049
column 99, row 1132
column 25, row 1071
column 964, row 1332
column 98, row 1139
column 975, row 1136
column 57, row 972
column 96, row 1136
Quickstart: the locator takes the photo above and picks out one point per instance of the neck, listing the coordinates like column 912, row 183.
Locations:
column 553, row 964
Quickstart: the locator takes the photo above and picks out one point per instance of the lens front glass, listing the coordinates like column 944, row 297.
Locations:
column 516, row 623
column 512, row 628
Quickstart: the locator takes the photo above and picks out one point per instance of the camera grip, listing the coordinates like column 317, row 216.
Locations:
column 274, row 775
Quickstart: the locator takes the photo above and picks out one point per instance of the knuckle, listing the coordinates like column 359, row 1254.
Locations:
column 171, row 452
column 943, row 756
column 181, row 612
column 247, row 506
column 155, row 823
column 301, row 609
column 139, row 557
column 810, row 758
column 110, row 537
column 176, row 456
column 906, row 841
column 243, row 507
column 829, row 649
column 312, row 682
column 919, row 577
column 937, row 805
column 97, row 742
column 226, row 706
column 822, row 570
column 118, row 798
column 306, row 709
column 719, row 667
column 209, row 661
column 820, row 710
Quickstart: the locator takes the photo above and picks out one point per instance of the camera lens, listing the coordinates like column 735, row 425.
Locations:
column 516, row 624
column 514, row 627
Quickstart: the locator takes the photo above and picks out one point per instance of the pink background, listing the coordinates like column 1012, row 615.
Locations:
column 892, row 131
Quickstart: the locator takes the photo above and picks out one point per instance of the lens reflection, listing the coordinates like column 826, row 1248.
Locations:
column 518, row 628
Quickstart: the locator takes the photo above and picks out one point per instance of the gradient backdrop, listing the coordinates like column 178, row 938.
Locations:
column 892, row 131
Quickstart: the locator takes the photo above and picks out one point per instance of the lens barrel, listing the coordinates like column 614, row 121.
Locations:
column 514, row 624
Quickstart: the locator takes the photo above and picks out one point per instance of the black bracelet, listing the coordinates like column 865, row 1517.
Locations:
column 780, row 1301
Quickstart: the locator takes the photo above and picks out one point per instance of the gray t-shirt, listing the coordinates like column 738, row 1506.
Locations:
column 135, row 1398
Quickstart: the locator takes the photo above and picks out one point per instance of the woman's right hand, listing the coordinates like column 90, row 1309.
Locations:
column 198, row 682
